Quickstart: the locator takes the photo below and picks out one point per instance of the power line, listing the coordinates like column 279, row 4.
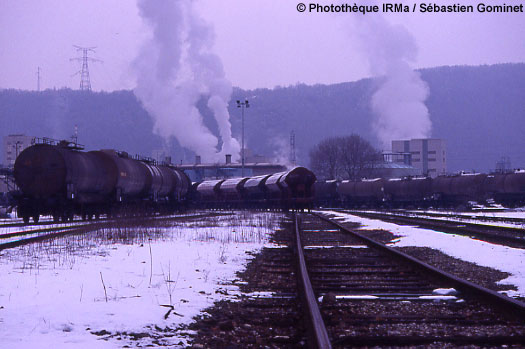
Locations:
column 85, row 83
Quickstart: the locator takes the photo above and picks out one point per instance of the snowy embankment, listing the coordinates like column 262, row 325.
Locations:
column 121, row 283
column 505, row 259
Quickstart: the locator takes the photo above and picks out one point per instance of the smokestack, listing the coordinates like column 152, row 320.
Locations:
column 228, row 158
column 197, row 159
column 167, row 160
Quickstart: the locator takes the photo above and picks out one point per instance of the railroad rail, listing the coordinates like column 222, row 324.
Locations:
column 51, row 231
column 371, row 294
column 511, row 236
column 486, row 218
column 319, row 334
column 19, row 223
column 14, row 239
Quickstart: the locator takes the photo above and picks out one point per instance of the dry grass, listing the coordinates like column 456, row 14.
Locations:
column 63, row 252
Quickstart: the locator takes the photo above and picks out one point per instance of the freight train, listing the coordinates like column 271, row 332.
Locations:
column 290, row 190
column 458, row 191
column 63, row 181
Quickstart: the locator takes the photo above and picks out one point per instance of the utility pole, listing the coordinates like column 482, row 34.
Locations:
column 292, row 147
column 242, row 105
column 38, row 79
column 85, row 83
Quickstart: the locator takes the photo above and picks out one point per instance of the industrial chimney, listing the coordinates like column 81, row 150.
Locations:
column 228, row 158
column 197, row 159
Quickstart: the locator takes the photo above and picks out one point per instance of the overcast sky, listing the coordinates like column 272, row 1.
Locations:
column 262, row 43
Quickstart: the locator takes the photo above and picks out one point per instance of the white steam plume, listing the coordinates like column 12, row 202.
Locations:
column 399, row 103
column 281, row 154
column 175, row 69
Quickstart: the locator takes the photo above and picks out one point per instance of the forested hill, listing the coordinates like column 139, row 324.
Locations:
column 480, row 111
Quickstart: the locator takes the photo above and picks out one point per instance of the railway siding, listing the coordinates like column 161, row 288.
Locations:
column 370, row 298
column 509, row 236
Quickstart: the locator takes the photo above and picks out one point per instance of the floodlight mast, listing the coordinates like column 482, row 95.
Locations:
column 242, row 105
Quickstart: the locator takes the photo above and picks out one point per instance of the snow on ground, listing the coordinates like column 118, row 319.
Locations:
column 506, row 259
column 507, row 213
column 52, row 293
column 466, row 217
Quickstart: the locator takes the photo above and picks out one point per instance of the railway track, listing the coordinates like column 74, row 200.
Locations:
column 19, row 238
column 462, row 216
column 371, row 295
column 326, row 286
column 50, row 231
column 13, row 223
column 509, row 236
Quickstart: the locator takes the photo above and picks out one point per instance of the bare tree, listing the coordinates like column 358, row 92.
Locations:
column 348, row 157
column 358, row 157
column 325, row 158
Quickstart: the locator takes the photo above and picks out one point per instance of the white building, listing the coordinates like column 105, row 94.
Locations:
column 14, row 145
column 428, row 155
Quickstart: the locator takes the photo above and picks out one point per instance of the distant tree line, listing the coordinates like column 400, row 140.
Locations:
column 347, row 157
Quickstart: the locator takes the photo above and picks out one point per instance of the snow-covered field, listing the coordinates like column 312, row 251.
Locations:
column 120, row 283
column 506, row 259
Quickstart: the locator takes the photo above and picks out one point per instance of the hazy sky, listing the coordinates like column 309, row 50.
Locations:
column 262, row 43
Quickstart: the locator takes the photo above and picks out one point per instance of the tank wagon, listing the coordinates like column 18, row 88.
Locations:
column 63, row 181
column 457, row 191
column 409, row 192
column 506, row 188
column 364, row 193
column 326, row 194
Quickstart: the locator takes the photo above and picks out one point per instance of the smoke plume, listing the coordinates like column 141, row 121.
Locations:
column 399, row 102
column 175, row 69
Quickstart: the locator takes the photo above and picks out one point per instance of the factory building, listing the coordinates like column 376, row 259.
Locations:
column 428, row 155
column 200, row 171
column 14, row 145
